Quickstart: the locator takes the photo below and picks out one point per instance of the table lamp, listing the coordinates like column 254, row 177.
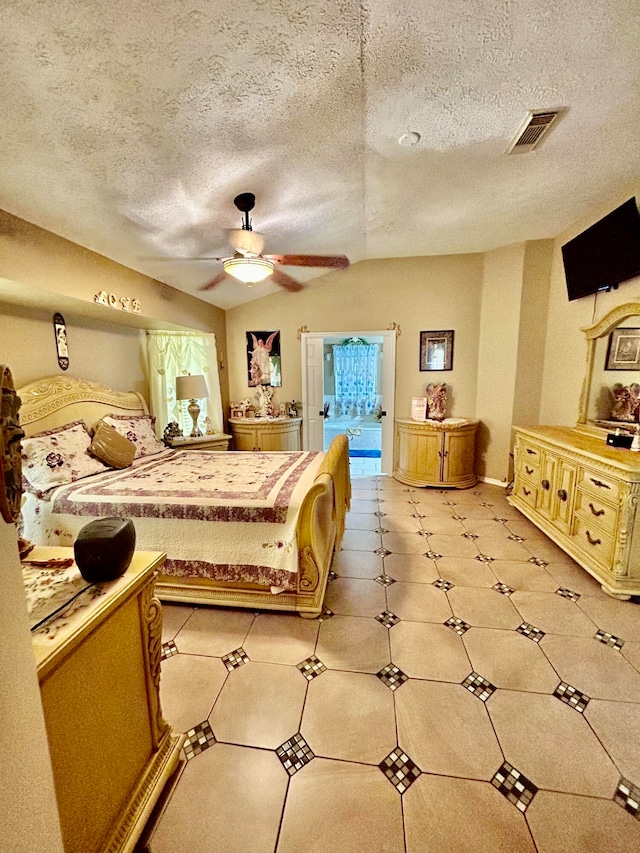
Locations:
column 192, row 388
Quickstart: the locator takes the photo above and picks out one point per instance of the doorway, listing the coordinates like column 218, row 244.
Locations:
column 348, row 385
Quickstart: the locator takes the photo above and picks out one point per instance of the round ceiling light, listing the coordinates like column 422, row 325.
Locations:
column 249, row 269
column 411, row 138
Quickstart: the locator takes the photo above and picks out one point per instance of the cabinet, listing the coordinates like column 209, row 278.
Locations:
column 266, row 434
column 99, row 673
column 435, row 453
column 217, row 441
column 583, row 494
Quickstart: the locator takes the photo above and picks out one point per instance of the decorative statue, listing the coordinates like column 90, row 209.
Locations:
column 172, row 430
column 436, row 401
column 626, row 402
column 264, row 397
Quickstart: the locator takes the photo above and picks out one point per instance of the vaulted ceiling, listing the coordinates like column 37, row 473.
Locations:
column 129, row 126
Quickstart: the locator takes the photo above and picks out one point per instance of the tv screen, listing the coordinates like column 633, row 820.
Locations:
column 605, row 254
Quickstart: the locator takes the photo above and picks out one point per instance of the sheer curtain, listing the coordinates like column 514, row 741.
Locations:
column 356, row 376
column 172, row 354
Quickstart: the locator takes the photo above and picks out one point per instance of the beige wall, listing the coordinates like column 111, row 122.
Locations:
column 416, row 293
column 565, row 346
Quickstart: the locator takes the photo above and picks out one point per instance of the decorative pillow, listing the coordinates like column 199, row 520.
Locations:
column 111, row 447
column 58, row 456
column 139, row 430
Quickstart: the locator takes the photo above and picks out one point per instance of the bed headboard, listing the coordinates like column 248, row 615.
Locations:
column 53, row 401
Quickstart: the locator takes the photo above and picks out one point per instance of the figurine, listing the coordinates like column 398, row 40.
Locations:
column 626, row 402
column 264, row 396
column 172, row 430
column 436, row 401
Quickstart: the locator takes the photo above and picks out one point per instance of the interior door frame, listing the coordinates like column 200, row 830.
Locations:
column 389, row 337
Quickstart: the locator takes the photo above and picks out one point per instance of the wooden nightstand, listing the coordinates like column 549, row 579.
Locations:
column 265, row 434
column 217, row 441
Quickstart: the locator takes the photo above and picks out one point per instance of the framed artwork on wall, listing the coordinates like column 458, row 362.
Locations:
column 624, row 350
column 436, row 350
column 263, row 358
column 60, row 332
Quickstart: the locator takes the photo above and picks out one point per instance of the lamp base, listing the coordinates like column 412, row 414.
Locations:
column 194, row 410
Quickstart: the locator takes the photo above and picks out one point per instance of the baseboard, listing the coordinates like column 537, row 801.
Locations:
column 493, row 482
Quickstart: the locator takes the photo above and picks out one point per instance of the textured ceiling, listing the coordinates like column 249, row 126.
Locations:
column 129, row 126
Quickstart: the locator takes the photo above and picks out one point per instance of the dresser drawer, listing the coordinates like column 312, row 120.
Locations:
column 603, row 488
column 594, row 542
column 526, row 492
column 591, row 510
column 529, row 468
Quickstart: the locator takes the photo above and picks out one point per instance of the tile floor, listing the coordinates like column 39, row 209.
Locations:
column 468, row 689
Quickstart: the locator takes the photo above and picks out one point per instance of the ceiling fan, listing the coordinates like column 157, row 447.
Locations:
column 248, row 264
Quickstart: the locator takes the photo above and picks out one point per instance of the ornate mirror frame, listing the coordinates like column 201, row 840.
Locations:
column 593, row 333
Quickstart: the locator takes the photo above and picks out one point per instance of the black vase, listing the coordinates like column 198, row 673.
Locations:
column 104, row 548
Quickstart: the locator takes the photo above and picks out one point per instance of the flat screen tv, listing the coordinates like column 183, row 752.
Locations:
column 605, row 254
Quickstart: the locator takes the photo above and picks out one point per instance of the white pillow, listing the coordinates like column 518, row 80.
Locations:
column 139, row 430
column 57, row 457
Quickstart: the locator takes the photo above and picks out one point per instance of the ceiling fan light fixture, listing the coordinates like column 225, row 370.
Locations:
column 249, row 270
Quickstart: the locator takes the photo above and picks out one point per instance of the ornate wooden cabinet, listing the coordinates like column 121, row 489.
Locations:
column 99, row 672
column 584, row 495
column 433, row 453
column 266, row 435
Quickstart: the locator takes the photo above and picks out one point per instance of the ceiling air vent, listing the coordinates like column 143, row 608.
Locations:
column 532, row 131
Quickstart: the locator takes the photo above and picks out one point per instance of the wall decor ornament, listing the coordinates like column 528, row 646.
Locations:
column 263, row 358
column 123, row 303
column 436, row 350
column 624, row 349
column 60, row 332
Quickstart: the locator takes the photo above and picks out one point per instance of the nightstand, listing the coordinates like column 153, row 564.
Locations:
column 265, row 434
column 216, row 441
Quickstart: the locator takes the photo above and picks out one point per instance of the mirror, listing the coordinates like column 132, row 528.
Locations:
column 613, row 359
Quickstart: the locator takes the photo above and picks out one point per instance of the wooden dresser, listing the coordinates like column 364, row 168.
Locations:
column 435, row 453
column 266, row 434
column 584, row 495
column 99, row 672
column 215, row 441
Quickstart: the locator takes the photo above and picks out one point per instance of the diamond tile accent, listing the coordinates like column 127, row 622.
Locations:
column 469, row 535
column 627, row 795
column 515, row 538
column 424, row 533
column 198, row 739
column 606, row 638
column 432, row 555
column 332, row 576
column 449, row 503
column 484, row 558
column 326, row 614
column 382, row 552
column 294, row 754
column 530, row 631
column 168, row 650
column 570, row 696
column 444, row 585
column 417, row 515
column 568, row 593
column 479, row 686
column 380, row 530
column 503, row 588
column 311, row 667
column 484, row 503
column 415, row 503
column 514, row 786
column 538, row 561
column 384, row 580
column 459, row 517
column 387, row 618
column 379, row 514
column 399, row 769
column 501, row 520
column 392, row 676
column 408, row 490
column 235, row 659
column 457, row 625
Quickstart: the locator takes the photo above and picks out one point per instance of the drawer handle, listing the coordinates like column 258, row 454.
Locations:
column 599, row 484
column 528, row 470
column 595, row 511
column 526, row 491
column 593, row 541
column 562, row 494
column 545, row 485
column 531, row 452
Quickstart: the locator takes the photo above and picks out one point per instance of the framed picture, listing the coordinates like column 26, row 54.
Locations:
column 263, row 359
column 436, row 350
column 60, row 333
column 624, row 350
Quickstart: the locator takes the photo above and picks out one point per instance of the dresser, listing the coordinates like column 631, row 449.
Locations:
column 99, row 673
column 584, row 495
column 266, row 434
column 435, row 453
column 216, row 441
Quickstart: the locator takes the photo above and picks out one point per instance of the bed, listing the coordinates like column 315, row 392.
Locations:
column 254, row 530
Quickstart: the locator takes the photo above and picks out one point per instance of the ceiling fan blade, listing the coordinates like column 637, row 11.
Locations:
column 285, row 281
column 333, row 261
column 214, row 281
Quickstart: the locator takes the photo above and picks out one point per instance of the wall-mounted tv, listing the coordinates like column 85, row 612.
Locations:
column 605, row 254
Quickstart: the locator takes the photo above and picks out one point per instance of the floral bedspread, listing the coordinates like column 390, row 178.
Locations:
column 229, row 516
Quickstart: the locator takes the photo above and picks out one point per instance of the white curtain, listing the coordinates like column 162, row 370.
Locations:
column 172, row 354
column 356, row 376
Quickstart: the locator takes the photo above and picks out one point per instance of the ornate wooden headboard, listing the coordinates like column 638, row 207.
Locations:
column 53, row 401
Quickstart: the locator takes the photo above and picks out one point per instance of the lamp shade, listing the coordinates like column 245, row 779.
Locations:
column 249, row 269
column 191, row 387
